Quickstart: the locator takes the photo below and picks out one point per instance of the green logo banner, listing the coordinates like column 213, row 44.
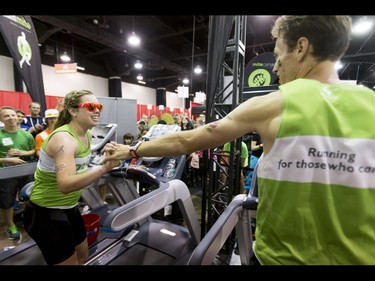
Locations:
column 258, row 71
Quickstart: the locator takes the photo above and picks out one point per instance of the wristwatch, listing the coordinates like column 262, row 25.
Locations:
column 133, row 148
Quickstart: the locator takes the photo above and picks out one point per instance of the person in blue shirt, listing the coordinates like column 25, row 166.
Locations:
column 34, row 121
column 21, row 118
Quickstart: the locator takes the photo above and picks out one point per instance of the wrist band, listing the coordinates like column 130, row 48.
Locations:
column 134, row 153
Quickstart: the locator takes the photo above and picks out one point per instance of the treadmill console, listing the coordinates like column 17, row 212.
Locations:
column 160, row 130
column 164, row 169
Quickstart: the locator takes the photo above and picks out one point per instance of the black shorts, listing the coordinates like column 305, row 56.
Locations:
column 56, row 231
column 9, row 189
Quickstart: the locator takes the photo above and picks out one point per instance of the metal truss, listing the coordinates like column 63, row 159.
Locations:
column 223, row 180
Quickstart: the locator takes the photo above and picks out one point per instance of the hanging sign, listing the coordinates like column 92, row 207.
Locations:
column 63, row 68
column 183, row 92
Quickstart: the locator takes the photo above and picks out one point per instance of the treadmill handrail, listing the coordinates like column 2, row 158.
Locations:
column 104, row 139
column 134, row 172
column 18, row 170
column 213, row 241
column 146, row 205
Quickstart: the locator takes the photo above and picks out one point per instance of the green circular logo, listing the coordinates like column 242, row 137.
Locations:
column 259, row 77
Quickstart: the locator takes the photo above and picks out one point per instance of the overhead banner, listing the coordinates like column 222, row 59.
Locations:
column 20, row 37
column 258, row 71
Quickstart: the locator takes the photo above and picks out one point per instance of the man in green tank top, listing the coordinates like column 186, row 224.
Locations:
column 316, row 175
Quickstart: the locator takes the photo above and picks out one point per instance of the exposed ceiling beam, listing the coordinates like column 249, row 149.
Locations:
column 74, row 25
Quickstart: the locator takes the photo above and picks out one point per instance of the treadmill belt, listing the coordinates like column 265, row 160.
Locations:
column 140, row 255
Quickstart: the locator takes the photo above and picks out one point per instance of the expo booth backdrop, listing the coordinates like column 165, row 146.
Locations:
column 123, row 112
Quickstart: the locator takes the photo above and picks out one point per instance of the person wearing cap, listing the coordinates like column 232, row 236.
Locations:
column 50, row 118
column 141, row 124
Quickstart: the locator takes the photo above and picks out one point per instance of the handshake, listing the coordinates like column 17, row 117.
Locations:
column 115, row 151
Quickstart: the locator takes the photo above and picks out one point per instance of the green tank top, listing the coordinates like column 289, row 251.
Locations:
column 45, row 191
column 316, row 185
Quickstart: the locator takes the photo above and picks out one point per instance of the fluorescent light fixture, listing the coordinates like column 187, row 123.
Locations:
column 80, row 68
column 198, row 69
column 64, row 57
column 134, row 39
column 138, row 64
column 338, row 65
column 141, row 82
column 363, row 26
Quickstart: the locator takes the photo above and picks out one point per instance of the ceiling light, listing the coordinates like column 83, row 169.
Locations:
column 338, row 65
column 139, row 77
column 134, row 39
column 185, row 81
column 198, row 69
column 141, row 82
column 138, row 64
column 64, row 57
column 362, row 26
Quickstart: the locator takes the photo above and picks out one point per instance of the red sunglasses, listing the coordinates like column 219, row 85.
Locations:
column 91, row 106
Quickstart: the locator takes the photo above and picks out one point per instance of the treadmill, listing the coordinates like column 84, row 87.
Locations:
column 151, row 241
column 239, row 216
column 236, row 216
column 156, row 242
column 148, row 181
column 124, row 191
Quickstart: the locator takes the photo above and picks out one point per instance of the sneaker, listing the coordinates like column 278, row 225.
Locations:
column 14, row 234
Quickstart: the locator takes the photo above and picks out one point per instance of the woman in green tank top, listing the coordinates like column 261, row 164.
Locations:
column 52, row 218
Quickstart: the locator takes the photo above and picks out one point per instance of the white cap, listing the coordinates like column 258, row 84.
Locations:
column 51, row 113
